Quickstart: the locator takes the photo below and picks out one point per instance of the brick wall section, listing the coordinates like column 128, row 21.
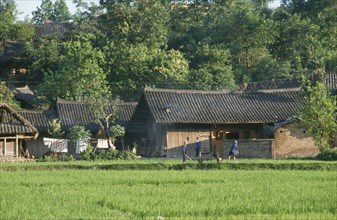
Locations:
column 291, row 141
column 251, row 148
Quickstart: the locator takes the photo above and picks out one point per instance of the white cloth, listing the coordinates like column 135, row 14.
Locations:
column 81, row 145
column 56, row 145
column 102, row 143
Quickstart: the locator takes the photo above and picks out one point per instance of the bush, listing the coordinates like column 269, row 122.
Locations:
column 54, row 157
column 88, row 154
column 328, row 154
column 108, row 155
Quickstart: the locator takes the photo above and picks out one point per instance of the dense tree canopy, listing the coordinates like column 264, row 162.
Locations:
column 209, row 45
column 9, row 29
column 57, row 11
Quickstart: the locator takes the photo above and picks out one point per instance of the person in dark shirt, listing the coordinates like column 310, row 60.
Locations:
column 233, row 151
column 197, row 147
column 184, row 151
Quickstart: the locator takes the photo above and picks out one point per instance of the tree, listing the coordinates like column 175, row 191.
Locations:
column 116, row 131
column 9, row 29
column 55, row 130
column 247, row 31
column 211, row 69
column 75, row 73
column 77, row 133
column 319, row 115
column 134, row 66
column 43, row 13
column 7, row 96
column 136, row 22
column 60, row 11
column 298, row 42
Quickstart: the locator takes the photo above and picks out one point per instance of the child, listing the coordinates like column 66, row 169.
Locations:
column 184, row 151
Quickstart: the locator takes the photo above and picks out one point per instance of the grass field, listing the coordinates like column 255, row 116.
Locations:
column 171, row 194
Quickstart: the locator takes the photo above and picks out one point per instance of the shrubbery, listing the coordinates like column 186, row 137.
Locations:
column 53, row 157
column 108, row 155
column 327, row 154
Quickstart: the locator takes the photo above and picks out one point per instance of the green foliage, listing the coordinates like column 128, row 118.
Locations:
column 7, row 96
column 328, row 154
column 55, row 157
column 72, row 71
column 319, row 115
column 88, row 154
column 61, row 11
column 58, row 11
column 56, row 129
column 133, row 66
column 212, row 69
column 116, row 131
column 136, row 22
column 11, row 30
column 126, row 45
column 78, row 132
column 43, row 13
column 107, row 155
column 115, row 155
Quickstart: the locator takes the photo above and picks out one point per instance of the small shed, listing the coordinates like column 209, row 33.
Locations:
column 14, row 131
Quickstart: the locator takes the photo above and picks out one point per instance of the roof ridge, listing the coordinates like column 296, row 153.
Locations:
column 295, row 89
column 185, row 90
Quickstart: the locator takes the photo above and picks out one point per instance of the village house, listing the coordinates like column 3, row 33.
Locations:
column 69, row 114
column 261, row 116
column 15, row 130
column 262, row 120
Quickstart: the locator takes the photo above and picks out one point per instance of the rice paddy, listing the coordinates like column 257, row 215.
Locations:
column 168, row 194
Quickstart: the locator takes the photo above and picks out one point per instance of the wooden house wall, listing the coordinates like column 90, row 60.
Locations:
column 176, row 138
column 8, row 148
column 291, row 141
column 159, row 140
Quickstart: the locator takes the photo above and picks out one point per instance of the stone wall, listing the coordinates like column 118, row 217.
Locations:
column 259, row 148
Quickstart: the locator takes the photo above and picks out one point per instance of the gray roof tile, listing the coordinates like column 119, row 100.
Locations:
column 78, row 113
column 191, row 106
column 40, row 119
column 11, row 122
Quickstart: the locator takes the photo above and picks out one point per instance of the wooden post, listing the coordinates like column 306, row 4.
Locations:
column 16, row 146
column 5, row 146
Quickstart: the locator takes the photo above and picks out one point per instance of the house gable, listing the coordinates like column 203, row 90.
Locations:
column 12, row 123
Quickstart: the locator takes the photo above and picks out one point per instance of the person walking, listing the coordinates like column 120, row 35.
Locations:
column 233, row 151
column 197, row 147
column 184, row 151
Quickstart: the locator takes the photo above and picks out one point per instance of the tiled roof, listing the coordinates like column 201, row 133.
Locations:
column 25, row 94
column 11, row 122
column 78, row 113
column 191, row 106
column 126, row 110
column 40, row 119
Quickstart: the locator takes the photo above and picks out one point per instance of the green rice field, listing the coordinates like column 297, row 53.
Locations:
column 168, row 194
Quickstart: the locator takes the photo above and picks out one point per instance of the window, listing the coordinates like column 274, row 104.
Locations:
column 232, row 135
